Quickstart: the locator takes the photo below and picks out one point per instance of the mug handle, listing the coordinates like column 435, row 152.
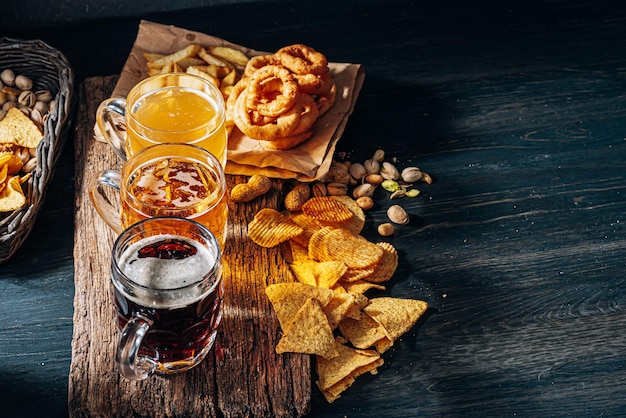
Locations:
column 130, row 363
column 109, row 213
column 111, row 126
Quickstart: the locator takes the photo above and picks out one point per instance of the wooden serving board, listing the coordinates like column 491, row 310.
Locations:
column 241, row 377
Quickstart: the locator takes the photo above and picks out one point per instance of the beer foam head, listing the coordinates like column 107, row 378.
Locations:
column 167, row 282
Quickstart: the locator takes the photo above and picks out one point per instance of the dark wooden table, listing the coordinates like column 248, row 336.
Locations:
column 518, row 111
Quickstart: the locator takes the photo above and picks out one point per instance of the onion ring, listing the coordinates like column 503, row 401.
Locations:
column 302, row 59
column 287, row 142
column 266, row 98
column 313, row 83
column 326, row 101
column 257, row 62
column 238, row 88
column 281, row 126
column 308, row 115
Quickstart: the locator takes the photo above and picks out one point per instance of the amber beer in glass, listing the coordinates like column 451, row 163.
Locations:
column 167, row 290
column 165, row 180
column 166, row 108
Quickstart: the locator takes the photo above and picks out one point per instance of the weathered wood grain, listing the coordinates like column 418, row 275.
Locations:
column 241, row 377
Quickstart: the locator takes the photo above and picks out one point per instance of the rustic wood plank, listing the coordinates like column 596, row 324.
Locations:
column 242, row 376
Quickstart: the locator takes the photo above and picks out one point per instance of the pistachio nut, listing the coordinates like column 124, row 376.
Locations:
column 389, row 171
column 336, row 189
column 30, row 165
column 364, row 189
column 426, row 178
column 43, row 96
column 398, row 194
column 379, row 155
column 411, row 174
column 390, row 185
column 337, row 175
column 372, row 166
column 413, row 193
column 319, row 189
column 398, row 215
column 26, row 98
column 357, row 170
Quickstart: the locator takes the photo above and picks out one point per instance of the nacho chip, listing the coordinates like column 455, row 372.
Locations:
column 361, row 286
column 395, row 315
column 342, row 305
column 17, row 128
column 297, row 252
column 362, row 333
column 269, row 228
column 308, row 332
column 288, row 298
column 12, row 161
column 304, row 271
column 337, row 374
column 12, row 197
column 327, row 209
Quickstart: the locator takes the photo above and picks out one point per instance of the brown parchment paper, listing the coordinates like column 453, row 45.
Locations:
column 307, row 162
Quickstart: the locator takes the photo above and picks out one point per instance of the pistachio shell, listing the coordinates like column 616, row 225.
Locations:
column 411, row 174
column 379, row 155
column 389, row 171
column 364, row 189
column 398, row 215
column 8, row 77
column 357, row 170
column 372, row 166
column 23, row 83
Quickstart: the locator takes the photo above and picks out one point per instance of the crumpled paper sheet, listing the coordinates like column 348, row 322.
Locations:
column 307, row 162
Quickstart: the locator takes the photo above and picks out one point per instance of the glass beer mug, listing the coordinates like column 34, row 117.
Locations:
column 174, row 108
column 167, row 290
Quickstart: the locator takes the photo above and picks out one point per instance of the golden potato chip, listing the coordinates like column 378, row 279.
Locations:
column 327, row 209
column 12, row 197
column 308, row 332
column 337, row 374
column 342, row 245
column 232, row 55
column 395, row 315
column 17, row 128
column 387, row 266
column 316, row 243
column 13, row 162
column 269, row 228
column 4, row 177
column 353, row 275
column 288, row 298
column 354, row 224
column 308, row 224
column 363, row 332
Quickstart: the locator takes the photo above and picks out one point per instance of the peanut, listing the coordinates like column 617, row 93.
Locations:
column 256, row 186
column 294, row 200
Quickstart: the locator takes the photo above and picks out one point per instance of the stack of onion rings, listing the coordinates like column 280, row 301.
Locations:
column 281, row 95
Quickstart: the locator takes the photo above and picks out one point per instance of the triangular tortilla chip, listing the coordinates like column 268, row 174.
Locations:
column 288, row 298
column 395, row 315
column 337, row 374
column 17, row 128
column 308, row 332
column 12, row 197
column 362, row 333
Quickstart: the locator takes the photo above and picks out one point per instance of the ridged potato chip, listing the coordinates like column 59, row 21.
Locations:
column 327, row 209
column 269, row 228
column 387, row 265
column 342, row 245
column 354, row 224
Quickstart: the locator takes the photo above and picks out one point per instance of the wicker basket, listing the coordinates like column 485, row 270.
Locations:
column 50, row 70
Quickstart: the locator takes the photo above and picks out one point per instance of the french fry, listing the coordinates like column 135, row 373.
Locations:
column 189, row 51
column 212, row 59
column 231, row 55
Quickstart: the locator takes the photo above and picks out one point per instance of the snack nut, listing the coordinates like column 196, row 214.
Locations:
column 256, row 186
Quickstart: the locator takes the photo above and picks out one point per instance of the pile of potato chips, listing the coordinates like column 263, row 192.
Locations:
column 325, row 312
column 19, row 137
